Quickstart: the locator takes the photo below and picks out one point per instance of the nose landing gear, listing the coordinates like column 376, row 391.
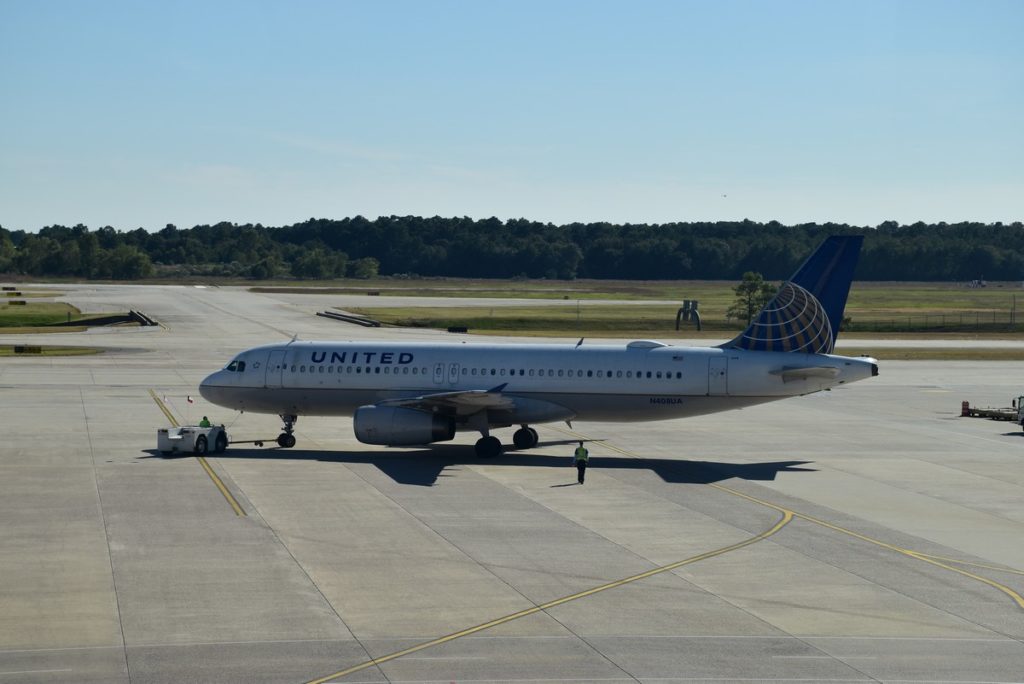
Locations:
column 286, row 440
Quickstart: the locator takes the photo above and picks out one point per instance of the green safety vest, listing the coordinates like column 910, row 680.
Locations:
column 582, row 454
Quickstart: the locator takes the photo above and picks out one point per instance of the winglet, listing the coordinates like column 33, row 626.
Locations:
column 498, row 389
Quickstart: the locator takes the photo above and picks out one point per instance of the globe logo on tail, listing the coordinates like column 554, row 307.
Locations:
column 793, row 321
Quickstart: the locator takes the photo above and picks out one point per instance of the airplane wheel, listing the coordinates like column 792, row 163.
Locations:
column 285, row 441
column 488, row 447
column 525, row 438
column 536, row 437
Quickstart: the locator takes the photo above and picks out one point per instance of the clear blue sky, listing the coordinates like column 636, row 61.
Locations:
column 146, row 113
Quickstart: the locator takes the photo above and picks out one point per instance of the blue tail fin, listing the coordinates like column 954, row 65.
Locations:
column 805, row 314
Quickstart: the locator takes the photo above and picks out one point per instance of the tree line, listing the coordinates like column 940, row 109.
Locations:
column 491, row 248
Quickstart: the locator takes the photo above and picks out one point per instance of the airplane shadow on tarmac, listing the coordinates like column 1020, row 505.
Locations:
column 423, row 466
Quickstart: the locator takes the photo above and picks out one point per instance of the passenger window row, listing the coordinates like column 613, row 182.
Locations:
column 493, row 372
column 404, row 370
column 578, row 373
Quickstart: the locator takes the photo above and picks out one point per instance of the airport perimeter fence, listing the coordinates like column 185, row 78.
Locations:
column 958, row 322
column 961, row 321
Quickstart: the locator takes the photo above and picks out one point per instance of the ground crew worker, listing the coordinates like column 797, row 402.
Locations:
column 205, row 422
column 581, row 457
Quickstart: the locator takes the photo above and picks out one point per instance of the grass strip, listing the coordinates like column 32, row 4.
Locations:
column 934, row 353
column 46, row 317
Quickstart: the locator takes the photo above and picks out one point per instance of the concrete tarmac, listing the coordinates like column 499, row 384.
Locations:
column 864, row 534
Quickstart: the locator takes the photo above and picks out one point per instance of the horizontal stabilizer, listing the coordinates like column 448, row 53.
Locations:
column 789, row 373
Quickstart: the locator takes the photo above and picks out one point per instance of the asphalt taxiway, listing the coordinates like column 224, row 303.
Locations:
column 864, row 534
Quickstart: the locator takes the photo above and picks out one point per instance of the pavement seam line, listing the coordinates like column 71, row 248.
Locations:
column 737, row 606
column 217, row 482
column 783, row 521
column 312, row 582
column 489, row 569
column 106, row 537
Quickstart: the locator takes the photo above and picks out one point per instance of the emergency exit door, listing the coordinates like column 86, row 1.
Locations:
column 275, row 366
column 718, row 376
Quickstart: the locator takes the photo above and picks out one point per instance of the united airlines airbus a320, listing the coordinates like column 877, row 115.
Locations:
column 402, row 394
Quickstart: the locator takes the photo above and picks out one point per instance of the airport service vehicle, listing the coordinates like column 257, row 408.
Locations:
column 405, row 394
column 191, row 439
column 1014, row 412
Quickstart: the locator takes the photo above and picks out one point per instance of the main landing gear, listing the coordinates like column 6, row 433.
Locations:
column 490, row 447
column 286, row 440
column 525, row 437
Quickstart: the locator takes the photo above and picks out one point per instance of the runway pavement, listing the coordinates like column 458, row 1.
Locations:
column 865, row 534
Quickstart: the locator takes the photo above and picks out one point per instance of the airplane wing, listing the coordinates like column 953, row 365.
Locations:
column 789, row 373
column 462, row 403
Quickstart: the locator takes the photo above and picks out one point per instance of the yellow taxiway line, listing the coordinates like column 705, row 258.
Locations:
column 787, row 516
column 783, row 521
column 239, row 511
column 937, row 561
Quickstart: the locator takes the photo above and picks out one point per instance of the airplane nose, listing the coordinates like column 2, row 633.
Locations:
column 207, row 387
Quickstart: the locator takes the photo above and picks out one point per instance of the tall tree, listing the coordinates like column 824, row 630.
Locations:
column 752, row 294
column 6, row 251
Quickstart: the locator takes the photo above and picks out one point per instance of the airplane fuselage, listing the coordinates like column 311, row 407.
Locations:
column 406, row 394
column 547, row 382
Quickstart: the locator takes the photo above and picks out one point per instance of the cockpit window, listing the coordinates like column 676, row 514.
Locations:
column 236, row 366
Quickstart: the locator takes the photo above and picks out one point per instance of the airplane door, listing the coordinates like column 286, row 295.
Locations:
column 453, row 373
column 275, row 366
column 718, row 376
column 438, row 373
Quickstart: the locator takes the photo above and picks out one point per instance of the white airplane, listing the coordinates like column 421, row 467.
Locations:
column 405, row 394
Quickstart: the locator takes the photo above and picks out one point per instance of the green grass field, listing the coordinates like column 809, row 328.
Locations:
column 932, row 353
column 876, row 310
column 658, row 322
column 34, row 314
column 948, row 309
column 38, row 317
column 591, row 319
column 865, row 296
column 873, row 307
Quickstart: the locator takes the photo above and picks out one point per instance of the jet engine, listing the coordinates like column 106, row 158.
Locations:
column 393, row 426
